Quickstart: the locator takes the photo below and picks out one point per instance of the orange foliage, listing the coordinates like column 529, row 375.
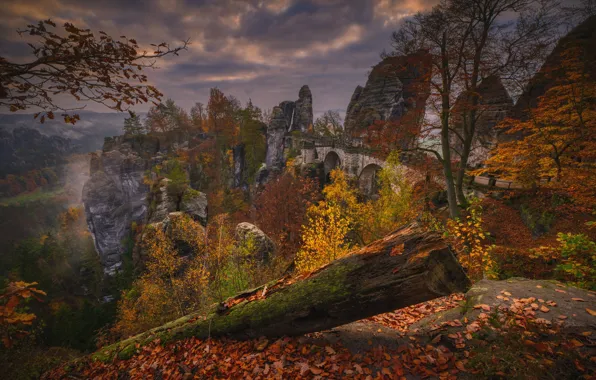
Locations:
column 11, row 318
column 558, row 141
column 32, row 180
column 281, row 210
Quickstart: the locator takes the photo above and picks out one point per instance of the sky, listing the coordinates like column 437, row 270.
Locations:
column 264, row 50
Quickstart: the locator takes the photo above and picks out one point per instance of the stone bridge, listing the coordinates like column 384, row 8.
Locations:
column 360, row 162
column 356, row 161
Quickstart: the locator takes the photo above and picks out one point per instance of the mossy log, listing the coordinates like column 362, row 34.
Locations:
column 405, row 268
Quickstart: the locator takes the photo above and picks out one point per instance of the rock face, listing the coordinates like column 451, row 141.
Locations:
column 298, row 114
column 493, row 106
column 250, row 236
column 583, row 36
column 24, row 149
column 239, row 165
column 115, row 195
column 289, row 116
column 275, row 140
column 303, row 116
column 395, row 87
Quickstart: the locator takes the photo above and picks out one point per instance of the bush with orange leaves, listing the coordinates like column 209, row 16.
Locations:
column 12, row 318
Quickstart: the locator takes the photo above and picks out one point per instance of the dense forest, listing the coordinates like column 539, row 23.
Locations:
column 444, row 227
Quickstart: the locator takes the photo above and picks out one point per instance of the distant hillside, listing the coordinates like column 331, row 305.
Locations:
column 86, row 135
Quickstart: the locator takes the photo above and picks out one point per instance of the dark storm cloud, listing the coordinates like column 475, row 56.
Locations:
column 259, row 49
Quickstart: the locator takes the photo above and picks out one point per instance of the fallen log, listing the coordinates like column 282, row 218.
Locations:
column 405, row 268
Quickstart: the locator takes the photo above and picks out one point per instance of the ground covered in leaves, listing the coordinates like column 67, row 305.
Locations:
column 516, row 329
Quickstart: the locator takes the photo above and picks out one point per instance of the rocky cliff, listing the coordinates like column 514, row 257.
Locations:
column 298, row 115
column 115, row 195
column 553, row 70
column 395, row 87
column 289, row 116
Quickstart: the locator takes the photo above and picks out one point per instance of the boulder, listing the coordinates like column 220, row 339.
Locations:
column 194, row 203
column 249, row 235
column 556, row 298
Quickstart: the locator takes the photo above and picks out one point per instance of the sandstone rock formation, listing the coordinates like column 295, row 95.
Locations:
column 552, row 71
column 275, row 140
column 298, row 114
column 303, row 115
column 395, row 87
column 251, row 237
column 493, row 106
column 289, row 116
column 115, row 195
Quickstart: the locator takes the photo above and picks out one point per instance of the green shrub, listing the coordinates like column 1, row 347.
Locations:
column 578, row 264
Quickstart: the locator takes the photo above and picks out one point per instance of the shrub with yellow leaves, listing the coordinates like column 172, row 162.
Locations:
column 173, row 285
column 324, row 237
column 468, row 239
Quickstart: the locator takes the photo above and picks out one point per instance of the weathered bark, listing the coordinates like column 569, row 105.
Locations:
column 405, row 268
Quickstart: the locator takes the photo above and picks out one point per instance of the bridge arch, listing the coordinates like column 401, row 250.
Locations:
column 368, row 179
column 331, row 162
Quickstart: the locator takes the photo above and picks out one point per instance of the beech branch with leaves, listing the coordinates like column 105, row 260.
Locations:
column 75, row 62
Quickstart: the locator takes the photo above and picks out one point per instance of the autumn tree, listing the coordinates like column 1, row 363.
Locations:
column 467, row 41
column 178, row 180
column 166, row 117
column 395, row 204
column 252, row 139
column 557, row 142
column 173, row 285
column 329, row 124
column 13, row 319
column 280, row 209
column 324, row 237
column 74, row 62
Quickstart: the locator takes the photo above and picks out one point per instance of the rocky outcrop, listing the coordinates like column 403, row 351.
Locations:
column 553, row 70
column 275, row 141
column 249, row 236
column 24, row 149
column 239, row 165
column 303, row 115
column 494, row 104
column 163, row 206
column 115, row 196
column 298, row 115
column 289, row 116
column 395, row 87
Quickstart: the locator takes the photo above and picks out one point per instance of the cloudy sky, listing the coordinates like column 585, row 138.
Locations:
column 259, row 49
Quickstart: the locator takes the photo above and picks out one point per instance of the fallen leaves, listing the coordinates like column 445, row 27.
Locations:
column 449, row 348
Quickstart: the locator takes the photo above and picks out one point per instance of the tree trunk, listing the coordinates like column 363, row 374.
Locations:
column 405, row 268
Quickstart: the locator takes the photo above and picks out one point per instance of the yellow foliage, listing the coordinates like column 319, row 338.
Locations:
column 172, row 285
column 467, row 237
column 324, row 237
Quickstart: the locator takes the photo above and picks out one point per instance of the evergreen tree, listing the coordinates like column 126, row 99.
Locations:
column 133, row 125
